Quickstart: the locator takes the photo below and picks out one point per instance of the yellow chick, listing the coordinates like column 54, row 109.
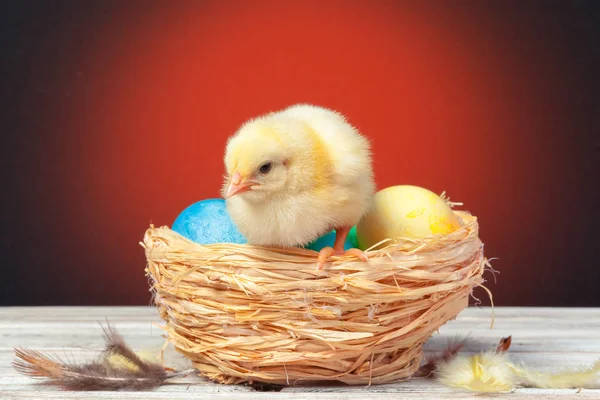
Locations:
column 296, row 174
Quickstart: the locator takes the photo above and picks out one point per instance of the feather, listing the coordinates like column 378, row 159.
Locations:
column 485, row 372
column 129, row 373
column 588, row 378
column 116, row 346
column 504, row 344
column 492, row 371
column 454, row 346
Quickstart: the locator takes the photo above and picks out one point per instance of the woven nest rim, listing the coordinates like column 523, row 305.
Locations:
column 386, row 247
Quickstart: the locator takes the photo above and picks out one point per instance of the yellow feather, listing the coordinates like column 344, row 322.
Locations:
column 493, row 372
column 485, row 372
column 566, row 379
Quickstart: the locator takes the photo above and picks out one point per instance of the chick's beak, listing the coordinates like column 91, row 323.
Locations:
column 238, row 185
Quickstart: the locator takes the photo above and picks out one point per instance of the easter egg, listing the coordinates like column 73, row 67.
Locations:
column 405, row 211
column 329, row 239
column 208, row 222
column 352, row 238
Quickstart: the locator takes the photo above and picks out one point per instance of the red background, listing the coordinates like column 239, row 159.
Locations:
column 480, row 101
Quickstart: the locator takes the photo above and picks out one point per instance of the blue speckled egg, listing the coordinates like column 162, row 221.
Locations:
column 329, row 239
column 208, row 222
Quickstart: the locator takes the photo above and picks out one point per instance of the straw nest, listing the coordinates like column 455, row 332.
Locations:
column 242, row 313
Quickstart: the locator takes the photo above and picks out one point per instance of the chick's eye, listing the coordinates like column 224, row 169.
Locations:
column 265, row 168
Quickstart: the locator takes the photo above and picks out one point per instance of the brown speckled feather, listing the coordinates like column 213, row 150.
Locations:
column 96, row 375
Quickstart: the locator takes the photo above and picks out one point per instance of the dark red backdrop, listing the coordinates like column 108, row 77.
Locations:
column 127, row 107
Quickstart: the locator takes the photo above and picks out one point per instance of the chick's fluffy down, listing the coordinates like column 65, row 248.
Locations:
column 321, row 180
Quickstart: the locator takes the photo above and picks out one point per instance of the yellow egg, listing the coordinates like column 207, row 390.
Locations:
column 405, row 211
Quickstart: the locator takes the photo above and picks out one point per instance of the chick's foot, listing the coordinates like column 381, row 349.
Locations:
column 327, row 252
column 324, row 254
column 338, row 248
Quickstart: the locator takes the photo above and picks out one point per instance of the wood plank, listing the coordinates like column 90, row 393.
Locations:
column 545, row 339
column 518, row 395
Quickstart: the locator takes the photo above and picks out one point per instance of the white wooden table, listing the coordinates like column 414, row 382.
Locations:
column 543, row 338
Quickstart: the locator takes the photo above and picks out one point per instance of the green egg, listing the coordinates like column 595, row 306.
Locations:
column 329, row 239
column 352, row 238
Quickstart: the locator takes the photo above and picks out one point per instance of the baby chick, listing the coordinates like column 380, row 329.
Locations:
column 296, row 174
